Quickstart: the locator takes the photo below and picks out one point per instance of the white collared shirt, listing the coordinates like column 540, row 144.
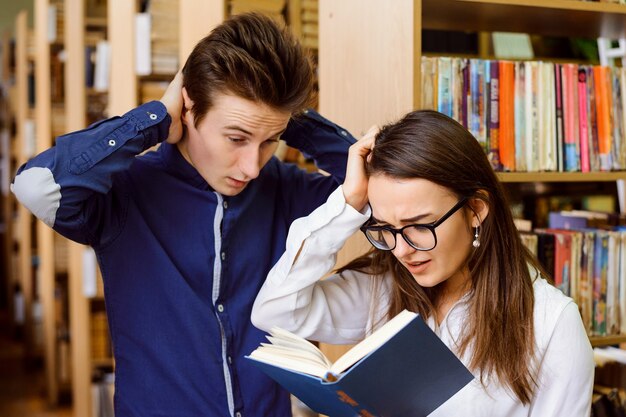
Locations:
column 345, row 309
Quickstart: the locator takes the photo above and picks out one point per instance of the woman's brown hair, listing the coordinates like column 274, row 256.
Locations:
column 249, row 56
column 499, row 331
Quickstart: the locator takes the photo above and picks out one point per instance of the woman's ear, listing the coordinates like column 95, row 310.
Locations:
column 480, row 207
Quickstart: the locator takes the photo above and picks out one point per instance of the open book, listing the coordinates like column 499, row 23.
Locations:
column 401, row 369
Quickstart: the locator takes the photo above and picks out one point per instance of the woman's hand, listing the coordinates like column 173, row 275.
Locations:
column 173, row 101
column 355, row 185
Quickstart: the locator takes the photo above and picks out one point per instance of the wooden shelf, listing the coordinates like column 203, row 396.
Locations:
column 542, row 17
column 561, row 176
column 96, row 22
column 607, row 340
column 102, row 362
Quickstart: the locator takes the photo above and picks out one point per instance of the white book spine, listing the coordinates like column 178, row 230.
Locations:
column 103, row 66
column 143, row 49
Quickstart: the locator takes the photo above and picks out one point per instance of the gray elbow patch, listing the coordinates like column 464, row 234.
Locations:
column 36, row 189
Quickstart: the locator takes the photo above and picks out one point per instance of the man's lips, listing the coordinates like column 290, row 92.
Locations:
column 236, row 183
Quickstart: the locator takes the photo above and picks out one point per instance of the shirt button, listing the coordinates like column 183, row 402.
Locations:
column 223, row 256
column 306, row 112
column 220, row 308
column 153, row 116
column 344, row 133
column 225, row 204
column 230, row 360
column 237, row 414
column 112, row 142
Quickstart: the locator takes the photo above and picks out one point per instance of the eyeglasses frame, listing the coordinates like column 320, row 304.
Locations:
column 430, row 226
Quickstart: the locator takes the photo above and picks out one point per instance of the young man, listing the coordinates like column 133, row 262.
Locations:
column 185, row 235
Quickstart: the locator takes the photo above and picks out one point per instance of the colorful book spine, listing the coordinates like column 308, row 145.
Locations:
column 559, row 109
column 583, row 127
column 585, row 299
column 571, row 150
column 444, row 86
column 594, row 147
column 477, row 118
column 599, row 284
column 520, row 120
column 616, row 119
column 465, row 93
column 494, row 116
column 603, row 116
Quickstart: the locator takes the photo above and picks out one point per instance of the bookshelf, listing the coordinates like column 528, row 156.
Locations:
column 23, row 219
column 75, row 100
column 45, row 236
column 88, row 321
column 6, row 163
column 607, row 340
column 575, row 18
column 561, row 176
column 356, row 94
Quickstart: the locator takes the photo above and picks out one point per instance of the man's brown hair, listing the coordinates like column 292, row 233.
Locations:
column 249, row 56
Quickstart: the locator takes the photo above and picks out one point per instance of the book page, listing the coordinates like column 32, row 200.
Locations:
column 372, row 342
column 290, row 360
column 290, row 351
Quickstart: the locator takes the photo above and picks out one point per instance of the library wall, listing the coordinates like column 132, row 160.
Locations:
column 553, row 126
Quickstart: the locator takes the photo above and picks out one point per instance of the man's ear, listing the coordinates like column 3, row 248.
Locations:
column 187, row 115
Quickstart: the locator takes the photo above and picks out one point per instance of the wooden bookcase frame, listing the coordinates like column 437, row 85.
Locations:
column 370, row 53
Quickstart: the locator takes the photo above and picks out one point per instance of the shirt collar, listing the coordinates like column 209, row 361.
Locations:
column 178, row 166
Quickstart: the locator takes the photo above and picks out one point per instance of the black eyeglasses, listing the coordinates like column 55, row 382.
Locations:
column 418, row 236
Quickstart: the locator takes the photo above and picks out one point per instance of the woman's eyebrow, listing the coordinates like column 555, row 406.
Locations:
column 413, row 219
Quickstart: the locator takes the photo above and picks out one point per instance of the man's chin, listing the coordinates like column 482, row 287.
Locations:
column 231, row 191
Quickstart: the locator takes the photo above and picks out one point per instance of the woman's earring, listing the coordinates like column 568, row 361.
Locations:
column 476, row 242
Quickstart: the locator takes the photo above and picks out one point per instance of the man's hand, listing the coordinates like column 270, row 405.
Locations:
column 173, row 101
column 355, row 185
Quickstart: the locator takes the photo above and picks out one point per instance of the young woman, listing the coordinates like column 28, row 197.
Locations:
column 445, row 246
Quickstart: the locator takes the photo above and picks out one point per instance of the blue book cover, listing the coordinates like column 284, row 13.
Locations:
column 558, row 220
column 411, row 374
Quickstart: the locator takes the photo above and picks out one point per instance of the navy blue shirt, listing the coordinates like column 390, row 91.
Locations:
column 181, row 263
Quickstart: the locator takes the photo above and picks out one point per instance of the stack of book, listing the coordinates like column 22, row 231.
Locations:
column 164, row 36
column 310, row 33
column 585, row 253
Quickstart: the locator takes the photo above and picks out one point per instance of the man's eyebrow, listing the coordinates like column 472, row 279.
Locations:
column 242, row 130
column 277, row 134
column 239, row 128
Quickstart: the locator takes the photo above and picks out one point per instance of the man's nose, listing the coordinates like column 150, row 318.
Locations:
column 250, row 163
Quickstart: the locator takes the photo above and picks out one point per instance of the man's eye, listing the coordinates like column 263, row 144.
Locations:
column 270, row 142
column 236, row 140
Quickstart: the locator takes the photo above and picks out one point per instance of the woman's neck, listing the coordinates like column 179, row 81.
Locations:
column 451, row 291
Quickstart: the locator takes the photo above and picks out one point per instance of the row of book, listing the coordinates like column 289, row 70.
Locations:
column 609, row 397
column 309, row 23
column 532, row 116
column 164, row 24
column 588, row 264
column 272, row 8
